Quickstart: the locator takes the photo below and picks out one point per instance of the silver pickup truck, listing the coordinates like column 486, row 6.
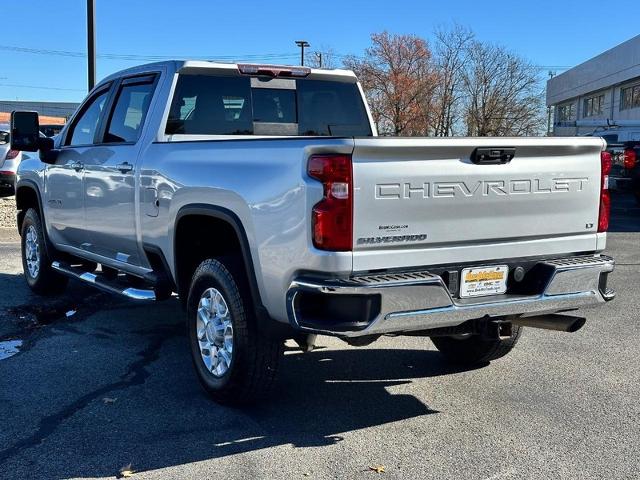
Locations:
column 262, row 197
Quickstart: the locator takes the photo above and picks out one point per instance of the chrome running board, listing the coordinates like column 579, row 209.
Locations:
column 100, row 281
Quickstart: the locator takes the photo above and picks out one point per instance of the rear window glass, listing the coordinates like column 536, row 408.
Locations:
column 210, row 105
column 274, row 105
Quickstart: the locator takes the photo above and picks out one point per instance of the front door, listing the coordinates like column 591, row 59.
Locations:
column 64, row 192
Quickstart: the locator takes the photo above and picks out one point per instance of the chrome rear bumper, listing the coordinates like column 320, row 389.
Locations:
column 421, row 301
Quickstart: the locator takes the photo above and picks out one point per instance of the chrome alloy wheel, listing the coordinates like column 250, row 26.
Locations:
column 32, row 251
column 215, row 332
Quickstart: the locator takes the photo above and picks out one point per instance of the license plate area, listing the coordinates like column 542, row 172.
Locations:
column 483, row 281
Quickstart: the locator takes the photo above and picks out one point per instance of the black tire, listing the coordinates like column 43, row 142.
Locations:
column 255, row 358
column 44, row 281
column 474, row 349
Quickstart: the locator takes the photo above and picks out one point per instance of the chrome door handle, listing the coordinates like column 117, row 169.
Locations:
column 77, row 166
column 124, row 167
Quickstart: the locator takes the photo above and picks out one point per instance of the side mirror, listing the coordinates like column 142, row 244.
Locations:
column 25, row 131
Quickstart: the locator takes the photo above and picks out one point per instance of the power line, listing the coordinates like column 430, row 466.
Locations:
column 133, row 57
column 254, row 56
column 41, row 87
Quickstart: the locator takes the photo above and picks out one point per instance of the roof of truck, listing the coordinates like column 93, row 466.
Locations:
column 175, row 66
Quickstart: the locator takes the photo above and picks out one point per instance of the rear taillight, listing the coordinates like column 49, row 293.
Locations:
column 605, row 198
column 11, row 154
column 332, row 217
column 629, row 158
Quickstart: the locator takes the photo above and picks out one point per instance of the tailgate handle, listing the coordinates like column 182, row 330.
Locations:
column 492, row 156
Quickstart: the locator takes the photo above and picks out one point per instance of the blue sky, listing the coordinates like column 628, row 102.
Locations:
column 549, row 33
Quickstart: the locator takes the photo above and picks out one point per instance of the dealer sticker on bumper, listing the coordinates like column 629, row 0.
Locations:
column 480, row 281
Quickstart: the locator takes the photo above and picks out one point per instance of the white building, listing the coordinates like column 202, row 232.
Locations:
column 600, row 96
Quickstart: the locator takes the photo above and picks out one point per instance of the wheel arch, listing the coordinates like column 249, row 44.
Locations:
column 233, row 221
column 27, row 195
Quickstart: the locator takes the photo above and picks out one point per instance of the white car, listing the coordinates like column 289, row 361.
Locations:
column 9, row 161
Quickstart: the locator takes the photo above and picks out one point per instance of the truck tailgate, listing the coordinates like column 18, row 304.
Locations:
column 425, row 202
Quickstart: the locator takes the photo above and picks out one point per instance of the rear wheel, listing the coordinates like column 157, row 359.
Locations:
column 234, row 362
column 36, row 261
column 476, row 349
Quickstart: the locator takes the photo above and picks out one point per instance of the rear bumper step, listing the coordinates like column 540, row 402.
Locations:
column 404, row 302
column 103, row 283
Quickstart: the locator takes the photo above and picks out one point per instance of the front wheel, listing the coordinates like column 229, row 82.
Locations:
column 476, row 349
column 36, row 262
column 234, row 362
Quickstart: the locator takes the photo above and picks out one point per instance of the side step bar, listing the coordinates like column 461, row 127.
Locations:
column 99, row 281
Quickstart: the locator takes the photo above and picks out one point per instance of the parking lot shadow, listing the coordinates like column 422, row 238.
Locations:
column 140, row 402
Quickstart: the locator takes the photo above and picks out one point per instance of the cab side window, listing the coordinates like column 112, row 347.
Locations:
column 84, row 129
column 131, row 106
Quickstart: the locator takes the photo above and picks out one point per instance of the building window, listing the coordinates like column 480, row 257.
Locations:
column 593, row 106
column 630, row 97
column 567, row 112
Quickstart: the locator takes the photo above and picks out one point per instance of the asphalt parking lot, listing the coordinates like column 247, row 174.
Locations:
column 112, row 385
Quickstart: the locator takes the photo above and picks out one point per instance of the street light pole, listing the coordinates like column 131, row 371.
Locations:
column 91, row 43
column 302, row 44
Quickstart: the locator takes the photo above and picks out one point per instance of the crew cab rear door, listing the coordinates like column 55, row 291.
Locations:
column 110, row 174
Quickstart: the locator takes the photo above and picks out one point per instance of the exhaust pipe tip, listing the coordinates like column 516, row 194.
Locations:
column 576, row 325
column 562, row 323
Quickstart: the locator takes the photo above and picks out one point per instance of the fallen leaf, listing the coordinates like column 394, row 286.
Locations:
column 377, row 468
column 70, row 313
column 126, row 472
column 107, row 400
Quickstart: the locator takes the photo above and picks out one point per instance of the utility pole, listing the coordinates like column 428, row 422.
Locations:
column 319, row 57
column 91, row 43
column 302, row 44
column 549, row 111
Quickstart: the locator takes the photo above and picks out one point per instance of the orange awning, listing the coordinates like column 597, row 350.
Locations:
column 5, row 117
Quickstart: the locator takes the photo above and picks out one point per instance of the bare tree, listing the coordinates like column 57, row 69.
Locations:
column 451, row 51
column 467, row 86
column 398, row 77
column 503, row 93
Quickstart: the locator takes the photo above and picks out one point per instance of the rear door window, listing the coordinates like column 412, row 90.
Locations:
column 234, row 105
column 130, row 110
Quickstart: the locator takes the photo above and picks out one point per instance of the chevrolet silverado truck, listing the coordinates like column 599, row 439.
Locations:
column 262, row 197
